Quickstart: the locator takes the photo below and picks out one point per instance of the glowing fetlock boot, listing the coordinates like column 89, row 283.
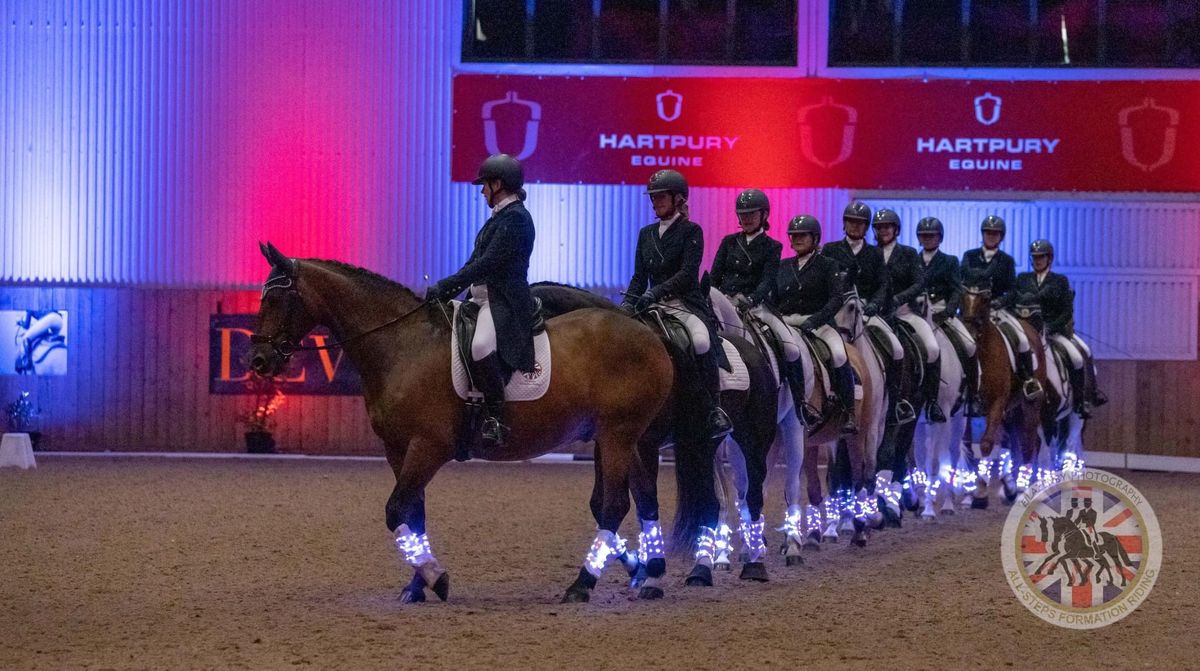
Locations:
column 793, row 540
column 831, row 514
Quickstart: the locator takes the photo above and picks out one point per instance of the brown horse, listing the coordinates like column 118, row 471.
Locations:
column 1005, row 407
column 610, row 379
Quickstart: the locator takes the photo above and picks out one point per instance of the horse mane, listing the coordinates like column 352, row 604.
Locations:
column 371, row 278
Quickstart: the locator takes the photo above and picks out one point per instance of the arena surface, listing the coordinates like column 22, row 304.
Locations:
column 207, row 564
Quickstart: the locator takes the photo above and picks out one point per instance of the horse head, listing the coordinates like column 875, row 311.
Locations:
column 849, row 317
column 283, row 317
column 975, row 306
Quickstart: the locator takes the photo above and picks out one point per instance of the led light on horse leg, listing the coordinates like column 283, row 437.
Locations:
column 414, row 547
column 724, row 536
column 706, row 542
column 752, row 537
column 812, row 518
column 603, row 547
column 651, row 544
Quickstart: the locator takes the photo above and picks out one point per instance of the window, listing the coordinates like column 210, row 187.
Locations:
column 723, row 32
column 1031, row 33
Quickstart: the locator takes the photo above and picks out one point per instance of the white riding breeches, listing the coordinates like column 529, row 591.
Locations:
column 877, row 322
column 923, row 330
column 960, row 330
column 695, row 326
column 830, row 335
column 1072, row 347
column 787, row 335
column 1011, row 319
column 484, row 342
column 728, row 320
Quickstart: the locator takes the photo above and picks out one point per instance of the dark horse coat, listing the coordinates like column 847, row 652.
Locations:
column 501, row 262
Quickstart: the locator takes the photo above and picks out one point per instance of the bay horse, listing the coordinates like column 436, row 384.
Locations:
column 610, row 380
column 1009, row 414
column 697, row 518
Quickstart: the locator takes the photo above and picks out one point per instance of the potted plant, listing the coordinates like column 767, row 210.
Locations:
column 260, row 421
column 21, row 418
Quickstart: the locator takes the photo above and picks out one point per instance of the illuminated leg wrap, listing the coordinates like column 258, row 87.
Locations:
column 752, row 538
column 413, row 547
column 706, row 545
column 812, row 518
column 793, row 521
column 1024, row 476
column 723, row 542
column 651, row 544
column 603, row 548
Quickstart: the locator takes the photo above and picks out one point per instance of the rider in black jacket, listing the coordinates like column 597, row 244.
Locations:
column 745, row 265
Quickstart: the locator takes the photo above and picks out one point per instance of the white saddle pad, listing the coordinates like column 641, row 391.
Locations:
column 521, row 386
column 739, row 379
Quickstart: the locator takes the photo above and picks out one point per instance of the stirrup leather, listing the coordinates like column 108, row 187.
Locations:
column 1032, row 389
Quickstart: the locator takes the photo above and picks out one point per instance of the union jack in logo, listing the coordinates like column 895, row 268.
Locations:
column 1082, row 546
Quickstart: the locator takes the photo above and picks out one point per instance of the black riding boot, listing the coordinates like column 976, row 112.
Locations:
column 929, row 388
column 1030, row 387
column 718, row 422
column 794, row 370
column 492, row 376
column 900, row 410
column 971, row 372
column 1082, row 404
column 843, row 386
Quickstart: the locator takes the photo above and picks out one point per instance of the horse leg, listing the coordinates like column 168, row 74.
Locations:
column 754, row 549
column 651, row 552
column 991, row 436
column 813, row 513
column 732, row 490
column 405, row 516
column 791, row 437
column 614, row 468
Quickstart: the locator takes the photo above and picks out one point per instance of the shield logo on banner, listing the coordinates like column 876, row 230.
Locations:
column 823, row 111
column 669, row 100
column 1165, row 119
column 987, row 109
column 531, row 125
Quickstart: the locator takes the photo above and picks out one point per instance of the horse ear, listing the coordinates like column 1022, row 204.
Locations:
column 263, row 248
column 279, row 260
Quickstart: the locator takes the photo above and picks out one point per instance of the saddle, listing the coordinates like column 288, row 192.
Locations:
column 466, row 319
column 732, row 372
column 822, row 360
column 879, row 342
column 910, row 341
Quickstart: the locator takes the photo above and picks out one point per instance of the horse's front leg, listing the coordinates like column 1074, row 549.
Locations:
column 405, row 514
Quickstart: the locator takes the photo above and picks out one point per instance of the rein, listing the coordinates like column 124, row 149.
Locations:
column 286, row 348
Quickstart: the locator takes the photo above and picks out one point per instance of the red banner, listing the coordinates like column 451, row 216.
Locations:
column 866, row 134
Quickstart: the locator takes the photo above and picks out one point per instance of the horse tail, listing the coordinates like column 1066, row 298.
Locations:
column 1120, row 550
column 695, row 481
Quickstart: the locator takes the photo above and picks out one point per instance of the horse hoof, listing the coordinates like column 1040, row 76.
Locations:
column 978, row 503
column 1010, row 497
column 442, row 587
column 409, row 595
column 756, row 571
column 723, row 566
column 701, row 576
column 909, row 500
column 650, row 593
column 793, row 560
column 576, row 594
column 859, row 540
column 946, row 512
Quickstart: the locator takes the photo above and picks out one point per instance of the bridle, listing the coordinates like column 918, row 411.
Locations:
column 285, row 347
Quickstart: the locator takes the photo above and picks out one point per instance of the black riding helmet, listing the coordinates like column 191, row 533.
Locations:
column 857, row 210
column 992, row 223
column 668, row 180
column 931, row 225
column 753, row 200
column 1041, row 247
column 504, row 168
column 884, row 217
column 805, row 223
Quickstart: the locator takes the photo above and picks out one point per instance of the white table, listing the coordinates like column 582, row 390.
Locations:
column 17, row 450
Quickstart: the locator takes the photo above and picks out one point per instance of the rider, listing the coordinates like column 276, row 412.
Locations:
column 994, row 264
column 497, row 274
column 808, row 293
column 906, row 284
column 1052, row 292
column 944, row 285
column 1086, row 521
column 864, row 267
column 666, row 271
column 745, row 265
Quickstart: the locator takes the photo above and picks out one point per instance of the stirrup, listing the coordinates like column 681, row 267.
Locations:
column 905, row 412
column 494, row 433
column 1099, row 398
column 933, row 413
column 719, row 422
column 1032, row 389
column 1083, row 409
column 810, row 415
column 850, row 423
